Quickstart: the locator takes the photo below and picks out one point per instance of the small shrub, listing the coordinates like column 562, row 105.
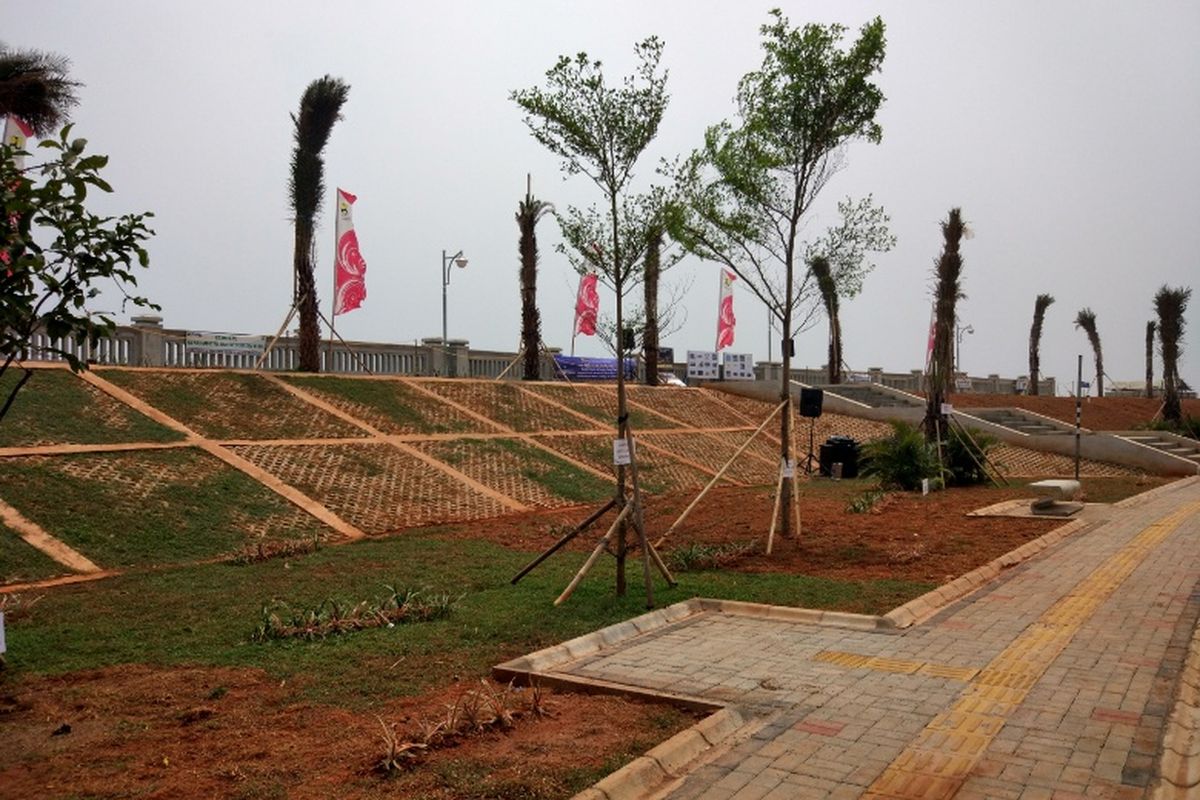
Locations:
column 1189, row 426
column 265, row 551
column 902, row 460
column 400, row 606
column 965, row 457
column 866, row 501
column 698, row 556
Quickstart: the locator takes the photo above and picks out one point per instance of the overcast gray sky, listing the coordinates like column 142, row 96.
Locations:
column 1066, row 131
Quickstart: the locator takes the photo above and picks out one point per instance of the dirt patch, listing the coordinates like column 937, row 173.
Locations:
column 216, row 732
column 903, row 536
column 1099, row 413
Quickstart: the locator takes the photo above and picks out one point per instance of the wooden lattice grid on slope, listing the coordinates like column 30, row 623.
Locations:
column 1020, row 462
column 712, row 451
column 230, row 405
column 600, row 404
column 505, row 403
column 390, row 405
column 93, row 416
column 518, row 470
column 155, row 489
column 657, row 472
column 375, row 486
column 691, row 408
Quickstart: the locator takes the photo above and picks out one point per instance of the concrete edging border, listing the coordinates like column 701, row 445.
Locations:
column 1179, row 764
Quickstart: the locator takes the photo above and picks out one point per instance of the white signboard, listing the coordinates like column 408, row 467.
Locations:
column 962, row 384
column 621, row 452
column 739, row 366
column 209, row 342
column 947, row 409
column 787, row 468
column 703, row 365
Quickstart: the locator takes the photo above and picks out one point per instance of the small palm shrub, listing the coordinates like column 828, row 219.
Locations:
column 902, row 460
column 965, row 457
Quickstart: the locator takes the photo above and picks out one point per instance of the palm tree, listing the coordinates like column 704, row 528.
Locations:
column 35, row 86
column 320, row 107
column 1170, row 305
column 829, row 297
column 529, row 212
column 1035, row 340
column 1151, row 328
column 1086, row 319
column 948, row 292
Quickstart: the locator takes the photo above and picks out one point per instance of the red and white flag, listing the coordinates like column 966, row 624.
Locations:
column 587, row 303
column 16, row 136
column 725, row 318
column 349, row 269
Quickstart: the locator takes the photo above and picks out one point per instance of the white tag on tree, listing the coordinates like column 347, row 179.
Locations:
column 621, row 452
column 947, row 409
column 788, row 468
column 924, row 486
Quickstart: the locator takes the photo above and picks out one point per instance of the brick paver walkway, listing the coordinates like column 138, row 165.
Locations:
column 1053, row 681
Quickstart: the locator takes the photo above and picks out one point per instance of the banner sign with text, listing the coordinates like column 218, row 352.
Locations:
column 208, row 342
column 578, row 368
column 739, row 366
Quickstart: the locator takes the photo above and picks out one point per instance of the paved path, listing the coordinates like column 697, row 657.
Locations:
column 1052, row 681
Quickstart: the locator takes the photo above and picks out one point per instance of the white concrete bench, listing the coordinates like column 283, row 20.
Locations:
column 1051, row 493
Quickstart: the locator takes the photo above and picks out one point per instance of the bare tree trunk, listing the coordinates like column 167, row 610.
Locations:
column 306, row 295
column 622, row 412
column 650, row 285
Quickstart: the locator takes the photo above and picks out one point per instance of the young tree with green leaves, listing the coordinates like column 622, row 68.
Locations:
column 1151, row 329
column 1171, row 305
column 939, row 380
column 600, row 130
column 745, row 195
column 320, row 107
column 1086, row 319
column 55, row 254
column 529, row 212
column 1040, row 305
column 36, row 87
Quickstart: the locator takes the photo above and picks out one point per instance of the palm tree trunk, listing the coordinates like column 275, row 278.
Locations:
column 531, row 320
column 835, row 347
column 941, row 369
column 652, row 269
column 306, row 296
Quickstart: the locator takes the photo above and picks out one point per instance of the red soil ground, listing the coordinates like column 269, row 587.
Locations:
column 1099, row 413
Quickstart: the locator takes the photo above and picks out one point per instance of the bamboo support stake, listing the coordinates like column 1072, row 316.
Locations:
column 271, row 345
column 662, row 567
column 554, row 548
column 775, row 512
column 795, row 472
column 511, row 364
column 718, row 476
column 591, row 560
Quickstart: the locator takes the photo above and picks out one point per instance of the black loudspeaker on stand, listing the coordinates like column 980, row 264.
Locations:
column 811, row 401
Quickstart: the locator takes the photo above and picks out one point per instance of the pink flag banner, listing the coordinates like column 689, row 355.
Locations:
column 725, row 318
column 349, row 269
column 587, row 303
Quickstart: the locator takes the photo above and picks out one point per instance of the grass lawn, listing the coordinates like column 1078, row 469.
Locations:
column 150, row 507
column 206, row 614
column 55, row 407
column 20, row 562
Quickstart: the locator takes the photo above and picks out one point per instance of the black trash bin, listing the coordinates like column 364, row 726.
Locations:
column 839, row 450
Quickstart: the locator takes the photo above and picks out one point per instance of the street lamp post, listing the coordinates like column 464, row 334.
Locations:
column 447, row 261
column 959, row 330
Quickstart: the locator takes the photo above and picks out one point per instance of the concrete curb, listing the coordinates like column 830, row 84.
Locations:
column 1151, row 494
column 667, row 762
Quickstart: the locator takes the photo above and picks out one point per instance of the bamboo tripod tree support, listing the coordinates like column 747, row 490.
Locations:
column 630, row 510
column 720, row 473
column 784, row 469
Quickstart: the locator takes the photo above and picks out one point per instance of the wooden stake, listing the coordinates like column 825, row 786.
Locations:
column 591, row 560
column 775, row 511
column 795, row 472
column 718, row 476
column 580, row 528
column 349, row 349
column 271, row 345
column 662, row 567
